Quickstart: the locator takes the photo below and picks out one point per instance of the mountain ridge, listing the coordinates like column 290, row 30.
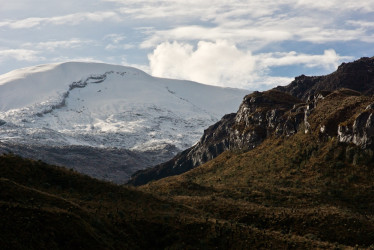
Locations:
column 281, row 111
column 348, row 75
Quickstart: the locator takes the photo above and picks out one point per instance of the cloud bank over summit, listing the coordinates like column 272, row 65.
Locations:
column 223, row 64
column 247, row 44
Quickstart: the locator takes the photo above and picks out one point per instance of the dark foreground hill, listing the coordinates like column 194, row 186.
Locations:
column 299, row 187
column 46, row 207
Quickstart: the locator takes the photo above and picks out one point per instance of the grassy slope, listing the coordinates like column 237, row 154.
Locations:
column 306, row 185
column 45, row 207
column 291, row 187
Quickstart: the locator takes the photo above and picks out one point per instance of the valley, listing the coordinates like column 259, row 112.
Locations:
column 287, row 171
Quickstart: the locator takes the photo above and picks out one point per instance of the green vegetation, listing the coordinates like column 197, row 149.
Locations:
column 305, row 185
column 297, row 187
column 46, row 207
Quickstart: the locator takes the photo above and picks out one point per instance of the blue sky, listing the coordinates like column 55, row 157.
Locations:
column 254, row 44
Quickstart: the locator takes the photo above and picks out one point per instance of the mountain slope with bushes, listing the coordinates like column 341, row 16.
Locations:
column 308, row 185
column 283, row 111
column 48, row 207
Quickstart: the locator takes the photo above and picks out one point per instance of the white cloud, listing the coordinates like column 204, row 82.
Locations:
column 53, row 45
column 254, row 24
column 76, row 59
column 143, row 67
column 221, row 63
column 257, row 32
column 119, row 46
column 337, row 5
column 364, row 24
column 20, row 55
column 115, row 38
column 116, row 41
column 329, row 60
column 221, row 10
column 318, row 35
column 190, row 33
column 253, row 36
column 214, row 11
column 71, row 19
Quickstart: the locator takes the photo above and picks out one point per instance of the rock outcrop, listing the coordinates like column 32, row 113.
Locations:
column 361, row 132
column 283, row 111
column 260, row 115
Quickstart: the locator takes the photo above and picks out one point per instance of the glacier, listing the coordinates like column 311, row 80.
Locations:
column 103, row 108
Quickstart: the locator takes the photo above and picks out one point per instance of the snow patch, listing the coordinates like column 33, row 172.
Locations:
column 104, row 105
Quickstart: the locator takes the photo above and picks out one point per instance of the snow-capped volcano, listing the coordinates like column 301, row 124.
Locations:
column 106, row 106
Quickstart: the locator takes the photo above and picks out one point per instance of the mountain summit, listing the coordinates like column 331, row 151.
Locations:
column 357, row 75
column 91, row 111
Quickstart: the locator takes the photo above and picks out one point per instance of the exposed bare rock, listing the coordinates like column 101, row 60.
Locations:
column 260, row 115
column 361, row 133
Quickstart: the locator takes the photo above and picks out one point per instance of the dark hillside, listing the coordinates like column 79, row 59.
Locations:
column 297, row 186
column 301, row 168
column 282, row 111
column 46, row 207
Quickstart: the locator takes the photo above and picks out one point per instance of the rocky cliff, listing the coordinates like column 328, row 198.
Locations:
column 357, row 75
column 361, row 132
column 337, row 105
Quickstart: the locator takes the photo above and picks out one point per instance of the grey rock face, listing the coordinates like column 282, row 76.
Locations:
column 361, row 133
column 259, row 116
column 345, row 134
column 312, row 101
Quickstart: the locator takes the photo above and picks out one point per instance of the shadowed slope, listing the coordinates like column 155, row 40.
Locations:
column 45, row 207
column 308, row 185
